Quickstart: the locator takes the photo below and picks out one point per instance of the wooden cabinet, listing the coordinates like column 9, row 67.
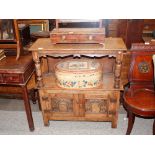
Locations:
column 149, row 25
column 92, row 105
column 111, row 26
column 131, row 31
column 149, row 30
column 95, row 104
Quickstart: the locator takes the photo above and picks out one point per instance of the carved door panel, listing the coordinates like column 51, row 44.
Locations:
column 88, row 105
column 101, row 104
column 60, row 104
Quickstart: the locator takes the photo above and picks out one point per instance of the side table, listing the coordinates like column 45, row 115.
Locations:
column 18, row 73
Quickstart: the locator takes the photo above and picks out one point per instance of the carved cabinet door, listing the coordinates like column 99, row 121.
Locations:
column 63, row 104
column 102, row 104
column 83, row 105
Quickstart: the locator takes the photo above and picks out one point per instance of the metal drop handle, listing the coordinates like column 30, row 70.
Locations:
column 90, row 37
column 63, row 37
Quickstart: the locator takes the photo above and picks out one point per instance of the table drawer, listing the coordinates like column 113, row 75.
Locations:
column 12, row 78
column 85, row 38
column 1, row 78
column 82, row 35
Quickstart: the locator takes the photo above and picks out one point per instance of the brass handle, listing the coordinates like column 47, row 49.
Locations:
column 63, row 37
column 45, row 98
column 90, row 37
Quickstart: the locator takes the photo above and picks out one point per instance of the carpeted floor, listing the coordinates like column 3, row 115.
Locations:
column 13, row 122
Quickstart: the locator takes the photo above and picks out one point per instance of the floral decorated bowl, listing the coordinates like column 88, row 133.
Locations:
column 78, row 73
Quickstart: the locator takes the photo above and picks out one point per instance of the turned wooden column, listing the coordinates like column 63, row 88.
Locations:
column 117, row 72
column 38, row 69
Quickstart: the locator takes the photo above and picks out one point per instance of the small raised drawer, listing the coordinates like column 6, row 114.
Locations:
column 11, row 78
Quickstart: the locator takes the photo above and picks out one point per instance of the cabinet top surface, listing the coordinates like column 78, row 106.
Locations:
column 11, row 65
column 44, row 44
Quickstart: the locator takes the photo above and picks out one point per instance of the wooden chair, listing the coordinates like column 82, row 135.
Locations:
column 139, row 96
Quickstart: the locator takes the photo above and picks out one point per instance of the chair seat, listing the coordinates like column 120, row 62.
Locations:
column 140, row 102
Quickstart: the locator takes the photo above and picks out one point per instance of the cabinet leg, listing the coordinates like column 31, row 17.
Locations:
column 39, row 100
column 154, row 127
column 28, row 108
column 46, row 120
column 131, row 119
column 114, row 122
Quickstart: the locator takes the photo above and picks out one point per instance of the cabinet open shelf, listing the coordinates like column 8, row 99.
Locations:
column 49, row 82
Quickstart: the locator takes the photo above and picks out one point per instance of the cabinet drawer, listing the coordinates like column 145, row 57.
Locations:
column 12, row 78
column 83, row 38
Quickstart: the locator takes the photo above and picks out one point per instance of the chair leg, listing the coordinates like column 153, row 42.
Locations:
column 154, row 127
column 127, row 115
column 131, row 119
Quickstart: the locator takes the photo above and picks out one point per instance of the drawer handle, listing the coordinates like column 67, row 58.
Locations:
column 10, row 78
column 90, row 37
column 63, row 37
column 45, row 98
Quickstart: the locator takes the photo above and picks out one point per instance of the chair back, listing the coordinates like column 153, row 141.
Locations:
column 141, row 74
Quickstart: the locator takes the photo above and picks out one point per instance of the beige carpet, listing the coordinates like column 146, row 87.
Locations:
column 13, row 122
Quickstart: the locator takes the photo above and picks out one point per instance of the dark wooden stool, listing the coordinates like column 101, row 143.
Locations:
column 18, row 73
column 139, row 97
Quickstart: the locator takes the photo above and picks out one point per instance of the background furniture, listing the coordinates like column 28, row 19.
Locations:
column 79, row 23
column 18, row 73
column 10, row 38
column 131, row 31
column 39, row 28
column 14, row 40
column 97, row 104
column 43, row 24
column 139, row 97
column 24, row 33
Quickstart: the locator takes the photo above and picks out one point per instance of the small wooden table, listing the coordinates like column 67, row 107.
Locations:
column 96, row 104
column 18, row 73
